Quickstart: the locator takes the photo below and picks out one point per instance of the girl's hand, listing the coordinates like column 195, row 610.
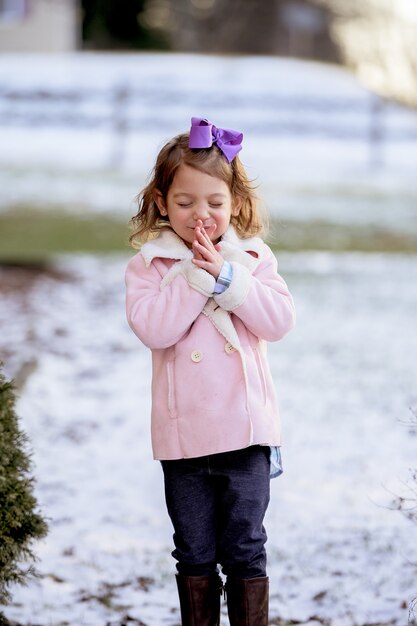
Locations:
column 197, row 255
column 206, row 254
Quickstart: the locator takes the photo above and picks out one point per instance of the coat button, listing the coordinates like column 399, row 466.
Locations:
column 196, row 356
column 229, row 348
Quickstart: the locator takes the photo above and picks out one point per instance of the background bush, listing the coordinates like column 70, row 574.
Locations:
column 20, row 523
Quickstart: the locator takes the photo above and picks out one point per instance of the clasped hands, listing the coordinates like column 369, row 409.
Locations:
column 206, row 254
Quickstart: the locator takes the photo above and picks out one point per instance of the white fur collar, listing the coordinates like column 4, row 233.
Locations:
column 167, row 245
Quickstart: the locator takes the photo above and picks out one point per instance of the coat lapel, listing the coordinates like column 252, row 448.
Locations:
column 166, row 246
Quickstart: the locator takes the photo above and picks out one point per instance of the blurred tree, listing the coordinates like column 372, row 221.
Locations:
column 115, row 24
column 286, row 27
column 304, row 31
column 205, row 26
column 20, row 523
column 378, row 41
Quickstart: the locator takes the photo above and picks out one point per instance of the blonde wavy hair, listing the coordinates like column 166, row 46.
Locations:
column 148, row 221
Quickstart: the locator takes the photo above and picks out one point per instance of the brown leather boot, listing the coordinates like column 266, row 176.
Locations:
column 199, row 599
column 248, row 601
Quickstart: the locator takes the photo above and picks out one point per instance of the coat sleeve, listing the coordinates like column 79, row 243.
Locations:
column 160, row 317
column 261, row 300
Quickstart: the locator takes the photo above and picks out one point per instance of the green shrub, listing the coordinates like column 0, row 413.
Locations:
column 20, row 523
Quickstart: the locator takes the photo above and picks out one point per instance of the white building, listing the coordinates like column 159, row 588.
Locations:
column 39, row 25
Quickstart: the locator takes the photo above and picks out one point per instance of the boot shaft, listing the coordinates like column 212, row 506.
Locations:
column 248, row 601
column 199, row 599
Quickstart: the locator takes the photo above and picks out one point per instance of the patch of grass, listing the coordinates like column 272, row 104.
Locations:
column 32, row 235
column 295, row 235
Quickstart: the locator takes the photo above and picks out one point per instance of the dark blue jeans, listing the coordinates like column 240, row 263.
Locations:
column 217, row 505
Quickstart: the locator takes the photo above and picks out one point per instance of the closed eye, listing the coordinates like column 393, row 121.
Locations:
column 216, row 206
column 184, row 205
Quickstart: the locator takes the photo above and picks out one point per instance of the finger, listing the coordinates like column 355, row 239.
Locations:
column 203, row 251
column 198, row 227
column 196, row 253
column 211, row 268
column 210, row 230
column 205, row 265
column 204, row 239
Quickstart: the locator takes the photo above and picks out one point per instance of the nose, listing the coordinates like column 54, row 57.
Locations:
column 200, row 212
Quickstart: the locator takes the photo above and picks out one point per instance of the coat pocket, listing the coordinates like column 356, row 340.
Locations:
column 172, row 407
column 261, row 374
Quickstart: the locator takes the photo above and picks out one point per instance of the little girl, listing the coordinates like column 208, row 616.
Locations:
column 204, row 295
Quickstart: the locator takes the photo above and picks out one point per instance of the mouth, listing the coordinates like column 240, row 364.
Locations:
column 205, row 226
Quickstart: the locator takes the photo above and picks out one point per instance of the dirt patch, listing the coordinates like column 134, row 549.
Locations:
column 22, row 277
column 19, row 344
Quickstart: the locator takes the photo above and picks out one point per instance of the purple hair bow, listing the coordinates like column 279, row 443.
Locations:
column 203, row 134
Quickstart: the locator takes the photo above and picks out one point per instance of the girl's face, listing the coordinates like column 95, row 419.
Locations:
column 194, row 196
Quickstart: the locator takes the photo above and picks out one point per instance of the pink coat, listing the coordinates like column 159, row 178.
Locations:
column 212, row 389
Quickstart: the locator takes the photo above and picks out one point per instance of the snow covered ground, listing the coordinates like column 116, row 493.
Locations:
column 345, row 376
column 346, row 379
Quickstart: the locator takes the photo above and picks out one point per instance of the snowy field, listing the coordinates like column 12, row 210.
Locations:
column 346, row 377
column 338, row 556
